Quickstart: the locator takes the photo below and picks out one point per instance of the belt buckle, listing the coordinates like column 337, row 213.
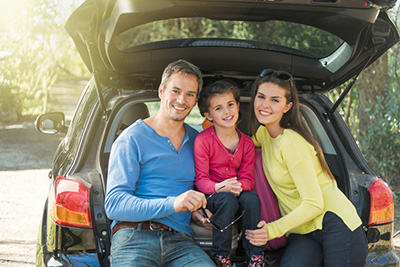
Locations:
column 153, row 229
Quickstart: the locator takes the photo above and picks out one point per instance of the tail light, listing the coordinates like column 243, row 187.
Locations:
column 72, row 203
column 382, row 206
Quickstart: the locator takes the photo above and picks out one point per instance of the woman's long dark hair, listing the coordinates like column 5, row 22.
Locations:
column 291, row 119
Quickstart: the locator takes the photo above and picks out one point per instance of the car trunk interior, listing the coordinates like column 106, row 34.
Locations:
column 127, row 109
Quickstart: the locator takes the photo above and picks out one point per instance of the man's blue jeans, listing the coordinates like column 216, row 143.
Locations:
column 334, row 245
column 143, row 247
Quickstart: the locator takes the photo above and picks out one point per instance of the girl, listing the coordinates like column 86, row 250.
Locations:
column 224, row 159
column 322, row 225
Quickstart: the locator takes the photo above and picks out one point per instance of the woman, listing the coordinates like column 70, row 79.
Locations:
column 322, row 225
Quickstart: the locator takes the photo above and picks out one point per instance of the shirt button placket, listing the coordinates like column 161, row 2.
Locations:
column 172, row 147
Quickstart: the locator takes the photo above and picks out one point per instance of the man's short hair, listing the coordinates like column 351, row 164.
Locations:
column 182, row 66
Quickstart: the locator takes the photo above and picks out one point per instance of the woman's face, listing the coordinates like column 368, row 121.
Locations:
column 270, row 104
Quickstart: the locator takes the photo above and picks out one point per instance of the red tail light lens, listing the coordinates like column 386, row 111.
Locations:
column 72, row 203
column 382, row 206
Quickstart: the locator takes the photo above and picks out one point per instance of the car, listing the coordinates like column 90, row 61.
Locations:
column 126, row 44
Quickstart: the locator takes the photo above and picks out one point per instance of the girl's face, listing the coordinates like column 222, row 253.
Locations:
column 223, row 111
column 270, row 104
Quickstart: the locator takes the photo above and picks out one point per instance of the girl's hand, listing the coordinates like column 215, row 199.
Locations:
column 236, row 188
column 229, row 185
column 259, row 236
column 224, row 186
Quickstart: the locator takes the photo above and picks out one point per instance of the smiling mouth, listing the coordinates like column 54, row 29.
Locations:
column 264, row 113
column 228, row 118
column 179, row 108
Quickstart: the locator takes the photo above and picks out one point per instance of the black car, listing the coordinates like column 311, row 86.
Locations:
column 126, row 44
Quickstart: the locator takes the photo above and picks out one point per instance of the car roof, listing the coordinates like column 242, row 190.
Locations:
column 362, row 32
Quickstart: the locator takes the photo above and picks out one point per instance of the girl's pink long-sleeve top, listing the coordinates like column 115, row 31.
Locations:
column 215, row 164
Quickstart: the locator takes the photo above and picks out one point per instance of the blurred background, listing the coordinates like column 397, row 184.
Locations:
column 36, row 54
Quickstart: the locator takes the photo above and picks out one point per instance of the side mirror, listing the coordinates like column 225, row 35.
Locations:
column 51, row 123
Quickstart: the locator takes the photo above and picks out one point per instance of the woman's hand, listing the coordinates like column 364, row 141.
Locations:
column 199, row 219
column 258, row 237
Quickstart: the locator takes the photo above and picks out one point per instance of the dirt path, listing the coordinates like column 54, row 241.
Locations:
column 21, row 206
column 24, row 148
column 25, row 161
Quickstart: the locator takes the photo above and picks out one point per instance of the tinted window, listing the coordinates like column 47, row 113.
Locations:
column 272, row 35
column 80, row 119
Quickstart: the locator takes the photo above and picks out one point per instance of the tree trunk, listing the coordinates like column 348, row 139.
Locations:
column 371, row 85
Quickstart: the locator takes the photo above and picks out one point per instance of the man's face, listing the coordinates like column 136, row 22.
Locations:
column 179, row 96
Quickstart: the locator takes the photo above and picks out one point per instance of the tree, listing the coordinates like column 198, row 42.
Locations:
column 376, row 118
column 40, row 52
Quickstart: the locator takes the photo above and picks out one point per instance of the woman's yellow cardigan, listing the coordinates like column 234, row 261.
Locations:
column 304, row 191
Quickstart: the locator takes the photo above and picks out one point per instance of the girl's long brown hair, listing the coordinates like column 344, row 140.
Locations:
column 291, row 119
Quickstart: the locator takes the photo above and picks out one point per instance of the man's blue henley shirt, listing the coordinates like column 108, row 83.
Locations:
column 146, row 173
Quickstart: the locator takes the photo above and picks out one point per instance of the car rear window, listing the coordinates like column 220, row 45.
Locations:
column 282, row 36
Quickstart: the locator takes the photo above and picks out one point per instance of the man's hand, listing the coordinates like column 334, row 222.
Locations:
column 190, row 200
column 199, row 219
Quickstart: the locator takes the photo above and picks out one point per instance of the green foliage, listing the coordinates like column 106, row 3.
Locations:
column 40, row 52
column 381, row 143
column 380, row 139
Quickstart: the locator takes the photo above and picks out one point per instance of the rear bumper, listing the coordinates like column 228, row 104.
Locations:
column 379, row 259
column 381, row 246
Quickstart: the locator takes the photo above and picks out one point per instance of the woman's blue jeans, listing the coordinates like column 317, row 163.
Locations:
column 334, row 245
column 144, row 247
column 225, row 207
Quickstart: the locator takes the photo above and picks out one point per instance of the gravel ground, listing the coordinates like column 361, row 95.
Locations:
column 21, row 205
column 25, row 161
column 25, row 158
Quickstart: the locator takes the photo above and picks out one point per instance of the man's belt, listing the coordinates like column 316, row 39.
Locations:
column 153, row 226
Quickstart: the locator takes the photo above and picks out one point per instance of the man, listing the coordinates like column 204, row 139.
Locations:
column 150, row 181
